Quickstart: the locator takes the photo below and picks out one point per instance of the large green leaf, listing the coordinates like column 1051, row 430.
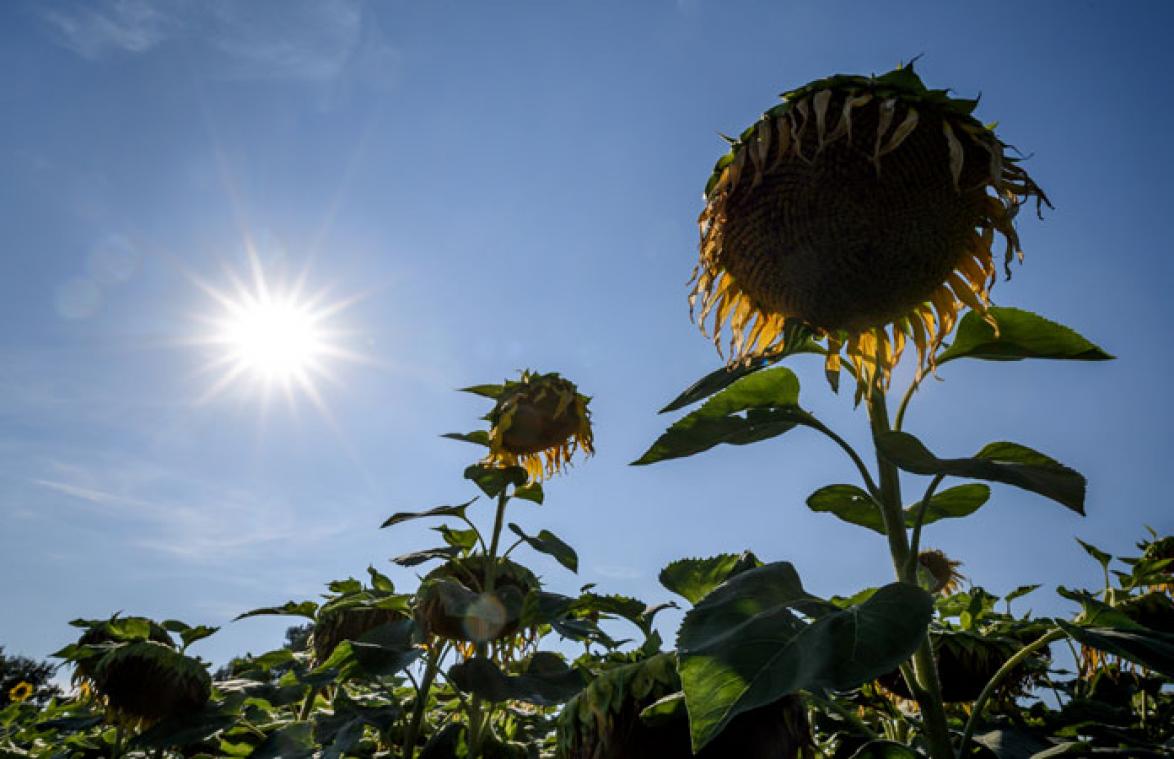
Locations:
column 185, row 729
column 951, row 503
column 493, row 480
column 799, row 341
column 1151, row 649
column 854, row 505
column 440, row 511
column 1022, row 334
column 307, row 609
column 693, row 579
column 547, row 681
column 742, row 646
column 382, row 651
column 292, row 741
column 550, row 544
column 849, row 503
column 1009, row 463
column 755, row 407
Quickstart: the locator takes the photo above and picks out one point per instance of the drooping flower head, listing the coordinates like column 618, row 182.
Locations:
column 938, row 573
column 131, row 665
column 539, row 421
column 865, row 209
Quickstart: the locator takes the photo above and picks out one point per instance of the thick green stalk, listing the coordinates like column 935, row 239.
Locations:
column 422, row 692
column 308, row 704
column 927, row 688
column 478, row 718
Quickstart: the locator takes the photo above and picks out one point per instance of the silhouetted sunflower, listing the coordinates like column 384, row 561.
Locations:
column 864, row 208
column 539, row 422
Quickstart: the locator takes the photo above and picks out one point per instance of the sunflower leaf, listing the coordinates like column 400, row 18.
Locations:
column 849, row 503
column 493, row 480
column 742, row 646
column 478, row 437
column 532, row 492
column 547, row 681
column 440, row 511
column 797, row 341
column 419, row 557
column 550, row 544
column 1008, row 463
column 694, row 579
column 951, row 503
column 1021, row 335
column 307, row 609
column 1149, row 648
column 486, row 391
column 755, row 407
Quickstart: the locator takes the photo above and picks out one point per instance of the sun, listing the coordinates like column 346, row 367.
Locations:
column 268, row 334
column 275, row 339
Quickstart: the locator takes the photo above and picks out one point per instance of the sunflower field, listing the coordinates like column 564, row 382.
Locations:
column 862, row 220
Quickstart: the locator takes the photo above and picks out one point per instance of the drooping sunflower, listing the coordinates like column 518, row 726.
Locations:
column 131, row 665
column 453, row 602
column 863, row 208
column 938, row 573
column 539, row 421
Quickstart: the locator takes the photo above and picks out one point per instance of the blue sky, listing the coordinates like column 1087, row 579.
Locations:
column 511, row 187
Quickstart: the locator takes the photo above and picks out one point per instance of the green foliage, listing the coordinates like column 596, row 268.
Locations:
column 723, row 676
column 755, row 407
column 1021, row 335
column 693, row 579
column 1008, row 463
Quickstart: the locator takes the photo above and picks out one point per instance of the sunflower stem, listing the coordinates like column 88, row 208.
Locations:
column 1010, row 664
column 904, row 406
column 308, row 704
column 478, row 717
column 919, row 520
column 422, row 691
column 928, row 691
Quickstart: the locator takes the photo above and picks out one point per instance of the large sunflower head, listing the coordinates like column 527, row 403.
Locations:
column 335, row 626
column 453, row 601
column 866, row 209
column 147, row 681
column 539, row 421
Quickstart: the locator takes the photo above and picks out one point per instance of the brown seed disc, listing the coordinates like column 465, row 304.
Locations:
column 842, row 247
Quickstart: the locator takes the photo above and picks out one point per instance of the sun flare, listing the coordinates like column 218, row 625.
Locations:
column 275, row 339
column 272, row 335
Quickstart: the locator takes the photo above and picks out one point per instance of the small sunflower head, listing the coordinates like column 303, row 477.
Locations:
column 20, row 692
column 865, row 208
column 538, row 423
column 938, row 573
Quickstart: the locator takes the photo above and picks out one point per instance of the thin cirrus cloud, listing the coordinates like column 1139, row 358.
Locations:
column 206, row 524
column 313, row 41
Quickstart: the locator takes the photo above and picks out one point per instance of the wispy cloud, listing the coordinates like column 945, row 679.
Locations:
column 313, row 41
column 206, row 524
column 97, row 29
